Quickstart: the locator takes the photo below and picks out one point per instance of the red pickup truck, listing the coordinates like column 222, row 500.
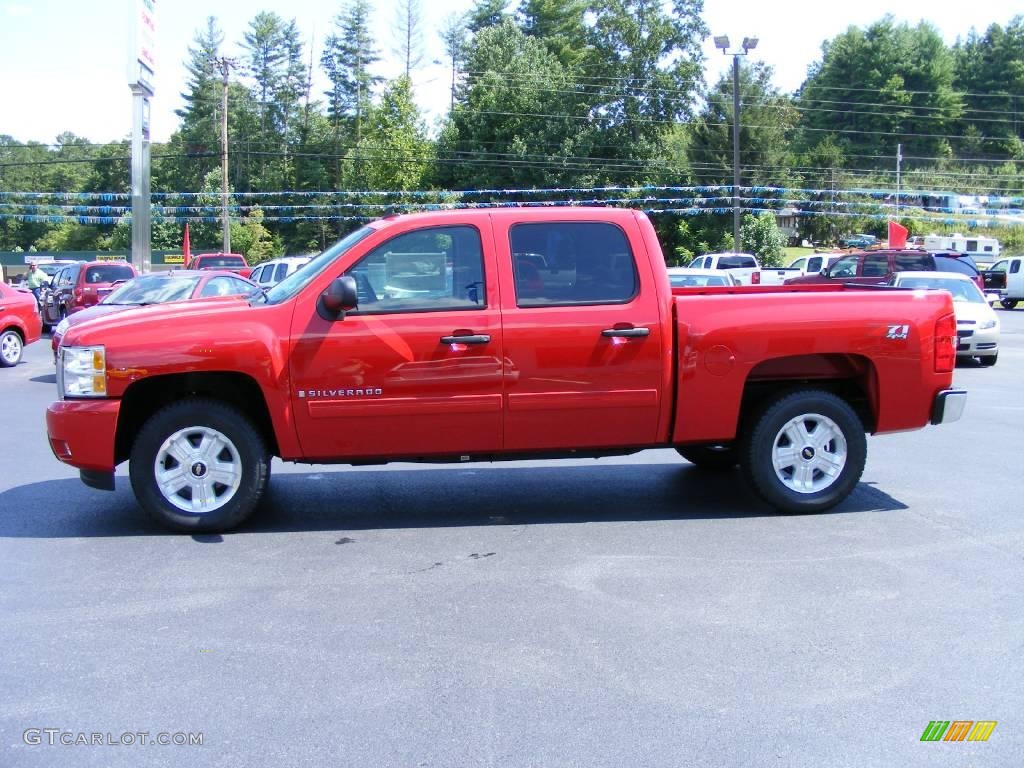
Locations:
column 485, row 335
column 232, row 262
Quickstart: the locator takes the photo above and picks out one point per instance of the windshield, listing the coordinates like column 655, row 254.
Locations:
column 211, row 262
column 296, row 281
column 153, row 289
column 108, row 273
column 962, row 290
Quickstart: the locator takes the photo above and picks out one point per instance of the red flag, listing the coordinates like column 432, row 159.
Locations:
column 897, row 235
column 186, row 246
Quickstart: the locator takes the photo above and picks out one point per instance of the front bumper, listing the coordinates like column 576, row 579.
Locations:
column 978, row 343
column 82, row 432
column 949, row 406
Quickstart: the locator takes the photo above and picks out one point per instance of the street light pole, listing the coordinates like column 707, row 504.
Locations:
column 736, row 244
column 224, row 64
column 749, row 44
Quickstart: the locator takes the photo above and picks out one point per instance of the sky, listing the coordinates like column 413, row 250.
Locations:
column 64, row 64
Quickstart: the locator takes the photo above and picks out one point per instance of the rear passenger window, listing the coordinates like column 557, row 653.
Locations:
column 950, row 264
column 1015, row 267
column 876, row 265
column 281, row 273
column 567, row 263
column 912, row 262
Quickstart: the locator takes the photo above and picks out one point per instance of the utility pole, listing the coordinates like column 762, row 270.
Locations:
column 749, row 44
column 224, row 64
column 899, row 160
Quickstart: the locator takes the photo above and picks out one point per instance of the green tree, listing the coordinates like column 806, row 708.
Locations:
column 485, row 14
column 559, row 24
column 761, row 237
column 642, row 72
column 512, row 123
column 990, row 73
column 455, row 37
column 349, row 53
column 888, row 84
column 409, row 34
column 767, row 121
column 396, row 148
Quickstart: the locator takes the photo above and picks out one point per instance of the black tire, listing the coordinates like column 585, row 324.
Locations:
column 181, row 425
column 715, row 457
column 767, row 440
column 990, row 360
column 1008, row 303
column 12, row 347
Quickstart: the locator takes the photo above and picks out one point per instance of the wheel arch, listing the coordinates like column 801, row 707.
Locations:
column 853, row 378
column 145, row 397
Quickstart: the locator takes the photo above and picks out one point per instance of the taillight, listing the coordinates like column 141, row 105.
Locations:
column 755, row 278
column 945, row 344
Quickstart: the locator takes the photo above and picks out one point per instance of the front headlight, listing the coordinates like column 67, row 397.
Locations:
column 984, row 325
column 82, row 372
column 62, row 327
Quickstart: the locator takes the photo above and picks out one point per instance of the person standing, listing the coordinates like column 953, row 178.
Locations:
column 36, row 280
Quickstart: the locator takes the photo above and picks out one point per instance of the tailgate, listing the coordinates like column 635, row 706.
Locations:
column 994, row 280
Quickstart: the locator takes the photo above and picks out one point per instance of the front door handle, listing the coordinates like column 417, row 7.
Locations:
column 629, row 333
column 474, row 338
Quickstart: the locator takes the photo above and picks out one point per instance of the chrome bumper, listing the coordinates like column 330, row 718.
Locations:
column 949, row 406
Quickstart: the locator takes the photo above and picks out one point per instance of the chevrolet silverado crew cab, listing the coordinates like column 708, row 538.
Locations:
column 484, row 335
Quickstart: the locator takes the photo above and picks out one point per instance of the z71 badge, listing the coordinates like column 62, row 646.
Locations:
column 898, row 332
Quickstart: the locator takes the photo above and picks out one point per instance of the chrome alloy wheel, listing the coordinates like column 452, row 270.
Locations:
column 10, row 348
column 809, row 453
column 198, row 469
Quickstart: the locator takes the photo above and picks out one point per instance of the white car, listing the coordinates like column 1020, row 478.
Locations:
column 687, row 277
column 270, row 273
column 977, row 326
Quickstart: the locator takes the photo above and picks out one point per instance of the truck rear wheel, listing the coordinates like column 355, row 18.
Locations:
column 1008, row 303
column 199, row 466
column 716, row 457
column 805, row 452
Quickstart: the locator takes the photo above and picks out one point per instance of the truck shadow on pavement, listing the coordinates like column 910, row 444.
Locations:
column 339, row 500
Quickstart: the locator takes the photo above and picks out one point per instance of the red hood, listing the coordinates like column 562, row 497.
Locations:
column 147, row 319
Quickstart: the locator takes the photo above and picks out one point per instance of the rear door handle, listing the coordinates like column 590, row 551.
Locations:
column 626, row 332
column 475, row 338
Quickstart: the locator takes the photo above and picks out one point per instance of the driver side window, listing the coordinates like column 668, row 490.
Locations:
column 845, row 267
column 434, row 269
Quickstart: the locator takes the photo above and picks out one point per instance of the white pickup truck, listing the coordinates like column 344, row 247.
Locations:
column 1006, row 278
column 744, row 267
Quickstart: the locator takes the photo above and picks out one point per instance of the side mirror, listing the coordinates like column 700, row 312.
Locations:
column 340, row 297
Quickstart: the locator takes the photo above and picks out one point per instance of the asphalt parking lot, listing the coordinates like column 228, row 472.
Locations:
column 622, row 612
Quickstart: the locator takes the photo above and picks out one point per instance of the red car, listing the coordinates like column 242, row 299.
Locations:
column 877, row 267
column 233, row 262
column 159, row 288
column 19, row 324
column 78, row 286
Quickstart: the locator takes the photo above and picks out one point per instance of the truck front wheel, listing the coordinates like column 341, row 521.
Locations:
column 806, row 451
column 1008, row 303
column 199, row 466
